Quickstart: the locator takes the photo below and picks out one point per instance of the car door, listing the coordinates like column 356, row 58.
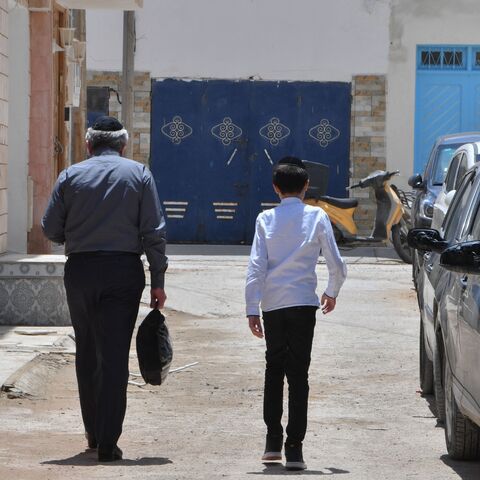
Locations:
column 450, row 285
column 469, row 317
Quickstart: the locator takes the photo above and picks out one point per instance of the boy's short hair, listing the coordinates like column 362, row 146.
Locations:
column 290, row 175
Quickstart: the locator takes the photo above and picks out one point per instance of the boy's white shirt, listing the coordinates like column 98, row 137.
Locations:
column 286, row 246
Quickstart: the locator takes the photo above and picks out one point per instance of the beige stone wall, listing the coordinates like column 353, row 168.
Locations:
column 141, row 112
column 3, row 122
column 368, row 141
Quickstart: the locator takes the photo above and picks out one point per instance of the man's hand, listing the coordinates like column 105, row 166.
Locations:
column 157, row 298
column 328, row 304
column 255, row 325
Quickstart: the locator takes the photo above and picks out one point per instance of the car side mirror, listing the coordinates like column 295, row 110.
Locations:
column 449, row 197
column 415, row 181
column 426, row 240
column 462, row 258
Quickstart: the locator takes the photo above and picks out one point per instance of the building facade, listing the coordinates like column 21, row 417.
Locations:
column 413, row 67
column 433, row 77
column 4, row 66
column 267, row 43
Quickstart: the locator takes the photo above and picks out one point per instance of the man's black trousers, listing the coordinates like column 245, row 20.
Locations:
column 103, row 294
column 289, row 337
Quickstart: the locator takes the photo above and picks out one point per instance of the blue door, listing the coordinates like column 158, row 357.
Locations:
column 199, row 159
column 214, row 144
column 308, row 120
column 447, row 95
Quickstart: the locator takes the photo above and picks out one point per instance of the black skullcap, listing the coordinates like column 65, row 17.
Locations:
column 107, row 124
column 292, row 161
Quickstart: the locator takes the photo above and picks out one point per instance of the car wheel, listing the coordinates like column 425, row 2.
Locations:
column 426, row 365
column 462, row 436
column 438, row 377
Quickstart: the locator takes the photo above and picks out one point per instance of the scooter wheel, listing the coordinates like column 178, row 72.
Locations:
column 399, row 240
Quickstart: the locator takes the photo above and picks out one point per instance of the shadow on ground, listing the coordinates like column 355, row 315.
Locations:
column 464, row 470
column 430, row 399
column 278, row 469
column 88, row 458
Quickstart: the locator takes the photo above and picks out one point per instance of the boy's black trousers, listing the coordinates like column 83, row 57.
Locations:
column 103, row 295
column 289, row 337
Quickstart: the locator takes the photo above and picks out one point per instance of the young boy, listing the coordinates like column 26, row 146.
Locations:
column 281, row 276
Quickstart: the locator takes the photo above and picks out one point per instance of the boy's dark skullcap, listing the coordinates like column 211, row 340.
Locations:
column 292, row 161
column 107, row 124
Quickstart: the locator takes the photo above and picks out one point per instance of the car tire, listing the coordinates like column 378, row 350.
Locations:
column 426, row 365
column 399, row 240
column 462, row 436
column 438, row 379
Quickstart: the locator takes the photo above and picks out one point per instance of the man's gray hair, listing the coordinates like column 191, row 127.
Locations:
column 114, row 140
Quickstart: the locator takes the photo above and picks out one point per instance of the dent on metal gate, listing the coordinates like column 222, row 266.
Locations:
column 214, row 143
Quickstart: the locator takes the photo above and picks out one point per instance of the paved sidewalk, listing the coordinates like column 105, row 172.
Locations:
column 19, row 345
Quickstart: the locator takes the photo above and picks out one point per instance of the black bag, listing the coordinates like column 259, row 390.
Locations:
column 154, row 348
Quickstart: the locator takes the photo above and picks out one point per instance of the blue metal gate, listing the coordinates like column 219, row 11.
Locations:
column 447, row 95
column 214, row 144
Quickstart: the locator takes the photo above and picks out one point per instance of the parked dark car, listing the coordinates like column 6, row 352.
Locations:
column 450, row 317
column 428, row 186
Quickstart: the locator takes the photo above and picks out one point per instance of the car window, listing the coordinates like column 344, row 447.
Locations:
column 475, row 232
column 444, row 157
column 452, row 173
column 455, row 218
column 462, row 170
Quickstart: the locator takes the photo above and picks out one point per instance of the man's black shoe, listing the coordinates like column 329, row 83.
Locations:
column 273, row 448
column 294, row 456
column 91, row 440
column 108, row 453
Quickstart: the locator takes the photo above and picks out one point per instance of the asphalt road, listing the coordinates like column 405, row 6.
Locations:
column 367, row 417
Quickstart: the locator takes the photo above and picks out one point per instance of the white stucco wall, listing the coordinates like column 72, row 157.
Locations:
column 18, row 119
column 269, row 39
column 414, row 23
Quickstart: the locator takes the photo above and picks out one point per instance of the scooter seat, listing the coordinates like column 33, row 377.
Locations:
column 339, row 202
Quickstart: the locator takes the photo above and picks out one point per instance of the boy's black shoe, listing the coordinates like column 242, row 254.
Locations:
column 294, row 456
column 109, row 453
column 273, row 448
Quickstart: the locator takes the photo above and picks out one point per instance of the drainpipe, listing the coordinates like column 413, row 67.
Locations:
column 127, row 76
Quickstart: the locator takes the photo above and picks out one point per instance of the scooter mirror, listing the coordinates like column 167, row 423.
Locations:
column 415, row 181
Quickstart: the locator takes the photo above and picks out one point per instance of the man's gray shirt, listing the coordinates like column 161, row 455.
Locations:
column 108, row 203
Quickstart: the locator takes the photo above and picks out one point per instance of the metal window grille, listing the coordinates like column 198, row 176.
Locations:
column 442, row 58
column 476, row 58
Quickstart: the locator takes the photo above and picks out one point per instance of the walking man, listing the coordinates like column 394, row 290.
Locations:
column 281, row 276
column 107, row 213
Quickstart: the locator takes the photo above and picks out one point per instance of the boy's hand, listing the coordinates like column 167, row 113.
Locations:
column 255, row 325
column 328, row 304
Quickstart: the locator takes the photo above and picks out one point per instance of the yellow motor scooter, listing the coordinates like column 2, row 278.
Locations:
column 391, row 217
